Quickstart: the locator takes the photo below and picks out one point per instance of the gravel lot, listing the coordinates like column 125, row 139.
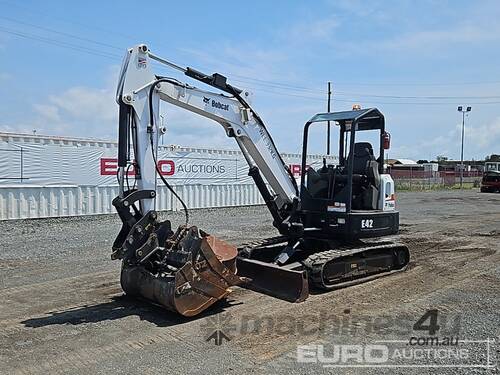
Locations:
column 63, row 311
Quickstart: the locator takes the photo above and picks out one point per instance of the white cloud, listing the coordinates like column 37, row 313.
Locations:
column 48, row 112
column 79, row 111
column 479, row 140
column 318, row 29
column 246, row 60
column 360, row 8
column 442, row 38
column 288, row 56
column 484, row 137
column 284, row 115
column 83, row 103
column 427, row 148
column 8, row 128
column 90, row 112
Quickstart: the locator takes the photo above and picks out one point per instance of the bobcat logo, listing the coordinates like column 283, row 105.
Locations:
column 206, row 100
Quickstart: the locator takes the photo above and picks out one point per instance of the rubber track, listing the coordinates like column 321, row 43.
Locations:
column 315, row 262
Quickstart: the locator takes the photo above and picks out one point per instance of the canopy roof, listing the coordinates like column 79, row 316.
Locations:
column 369, row 118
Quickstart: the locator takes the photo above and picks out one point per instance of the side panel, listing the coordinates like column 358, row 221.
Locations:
column 372, row 224
column 387, row 197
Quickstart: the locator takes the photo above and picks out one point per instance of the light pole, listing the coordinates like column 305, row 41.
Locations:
column 464, row 111
column 328, row 125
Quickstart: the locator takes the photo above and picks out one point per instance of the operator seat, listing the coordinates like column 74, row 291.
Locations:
column 367, row 164
column 367, row 181
column 318, row 181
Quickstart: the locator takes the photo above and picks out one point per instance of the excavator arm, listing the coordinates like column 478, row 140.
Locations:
column 139, row 94
column 187, row 270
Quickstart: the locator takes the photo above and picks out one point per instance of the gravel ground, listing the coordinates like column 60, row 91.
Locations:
column 62, row 309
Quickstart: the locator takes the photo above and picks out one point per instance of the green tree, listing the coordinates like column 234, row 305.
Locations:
column 492, row 157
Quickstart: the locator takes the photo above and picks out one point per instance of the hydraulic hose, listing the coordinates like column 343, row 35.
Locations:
column 151, row 120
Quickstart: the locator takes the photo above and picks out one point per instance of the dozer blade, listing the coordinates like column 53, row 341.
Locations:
column 280, row 282
column 195, row 286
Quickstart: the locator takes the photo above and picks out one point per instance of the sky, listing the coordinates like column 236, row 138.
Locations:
column 414, row 60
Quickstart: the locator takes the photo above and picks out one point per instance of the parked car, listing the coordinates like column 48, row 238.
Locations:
column 490, row 182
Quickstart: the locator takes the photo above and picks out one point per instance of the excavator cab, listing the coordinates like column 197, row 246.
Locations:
column 353, row 199
column 338, row 206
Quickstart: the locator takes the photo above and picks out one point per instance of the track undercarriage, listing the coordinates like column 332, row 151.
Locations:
column 189, row 270
column 316, row 264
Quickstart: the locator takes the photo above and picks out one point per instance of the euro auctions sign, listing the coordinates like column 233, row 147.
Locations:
column 184, row 168
column 46, row 161
column 191, row 169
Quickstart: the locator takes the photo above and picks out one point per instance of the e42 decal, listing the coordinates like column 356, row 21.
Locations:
column 366, row 223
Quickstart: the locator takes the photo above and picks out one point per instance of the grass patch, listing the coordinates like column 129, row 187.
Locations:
column 418, row 186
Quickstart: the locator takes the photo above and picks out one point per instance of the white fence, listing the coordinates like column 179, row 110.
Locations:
column 46, row 176
column 27, row 201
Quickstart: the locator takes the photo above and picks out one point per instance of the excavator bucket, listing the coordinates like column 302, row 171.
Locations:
column 190, row 289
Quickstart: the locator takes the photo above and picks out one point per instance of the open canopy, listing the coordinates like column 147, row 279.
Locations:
column 369, row 118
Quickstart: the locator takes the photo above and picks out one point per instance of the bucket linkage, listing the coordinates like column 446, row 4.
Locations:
column 185, row 272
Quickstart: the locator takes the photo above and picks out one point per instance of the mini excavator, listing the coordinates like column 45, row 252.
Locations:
column 331, row 226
